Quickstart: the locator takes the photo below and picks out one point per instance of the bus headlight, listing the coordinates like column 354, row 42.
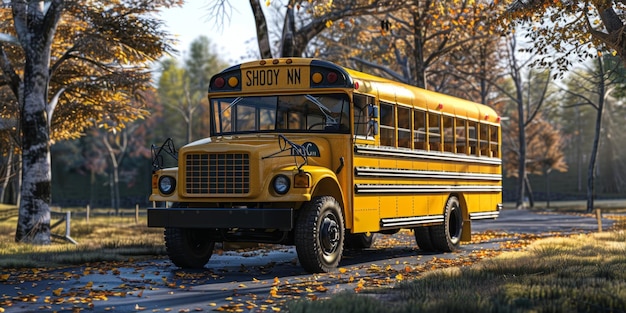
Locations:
column 167, row 184
column 281, row 184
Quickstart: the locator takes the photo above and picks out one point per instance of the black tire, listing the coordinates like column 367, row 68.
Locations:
column 319, row 235
column 359, row 241
column 447, row 236
column 188, row 247
column 422, row 238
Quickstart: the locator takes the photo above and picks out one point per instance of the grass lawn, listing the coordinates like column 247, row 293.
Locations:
column 104, row 237
column 581, row 273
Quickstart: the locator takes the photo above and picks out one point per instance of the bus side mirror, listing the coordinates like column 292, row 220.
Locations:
column 372, row 128
column 372, row 111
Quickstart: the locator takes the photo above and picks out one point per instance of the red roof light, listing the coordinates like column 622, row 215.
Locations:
column 332, row 77
column 219, row 82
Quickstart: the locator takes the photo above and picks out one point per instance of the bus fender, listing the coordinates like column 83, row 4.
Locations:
column 325, row 183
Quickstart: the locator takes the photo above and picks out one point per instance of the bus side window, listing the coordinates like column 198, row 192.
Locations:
column 404, row 127
column 493, row 142
column 461, row 138
column 419, row 129
column 361, row 115
column 471, row 129
column 484, row 139
column 434, row 131
column 448, row 134
column 387, row 125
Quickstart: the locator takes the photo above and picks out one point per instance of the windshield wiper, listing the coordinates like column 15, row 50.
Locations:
column 329, row 119
column 295, row 150
column 232, row 104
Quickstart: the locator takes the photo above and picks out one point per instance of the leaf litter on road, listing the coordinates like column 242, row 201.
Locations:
column 313, row 287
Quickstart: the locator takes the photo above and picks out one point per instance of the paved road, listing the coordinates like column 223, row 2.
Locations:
column 262, row 279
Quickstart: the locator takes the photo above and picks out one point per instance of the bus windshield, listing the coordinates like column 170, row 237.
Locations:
column 326, row 113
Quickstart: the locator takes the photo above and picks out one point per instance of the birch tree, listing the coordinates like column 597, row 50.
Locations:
column 70, row 65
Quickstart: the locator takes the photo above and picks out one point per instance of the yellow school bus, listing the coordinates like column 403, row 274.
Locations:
column 304, row 152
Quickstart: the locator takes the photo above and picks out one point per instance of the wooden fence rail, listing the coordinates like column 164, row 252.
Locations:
column 8, row 213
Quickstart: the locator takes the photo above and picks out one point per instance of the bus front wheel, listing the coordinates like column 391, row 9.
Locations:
column 359, row 241
column 320, row 235
column 188, row 247
column 447, row 236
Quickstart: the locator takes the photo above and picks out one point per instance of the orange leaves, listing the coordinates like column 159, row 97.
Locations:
column 241, row 291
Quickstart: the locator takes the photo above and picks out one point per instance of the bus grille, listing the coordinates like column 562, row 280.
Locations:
column 217, row 173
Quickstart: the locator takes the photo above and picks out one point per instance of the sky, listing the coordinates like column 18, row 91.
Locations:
column 232, row 41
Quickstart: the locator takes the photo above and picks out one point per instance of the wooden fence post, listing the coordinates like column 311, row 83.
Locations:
column 67, row 218
column 137, row 213
column 87, row 216
column 599, row 218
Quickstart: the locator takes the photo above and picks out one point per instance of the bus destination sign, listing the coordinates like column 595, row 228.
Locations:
column 275, row 78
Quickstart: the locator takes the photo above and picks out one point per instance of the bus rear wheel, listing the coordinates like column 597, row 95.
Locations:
column 188, row 247
column 320, row 235
column 422, row 238
column 446, row 237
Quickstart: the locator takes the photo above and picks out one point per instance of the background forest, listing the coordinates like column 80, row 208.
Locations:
column 454, row 47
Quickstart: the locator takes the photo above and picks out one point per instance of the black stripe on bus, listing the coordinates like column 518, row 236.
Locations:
column 391, row 189
column 403, row 173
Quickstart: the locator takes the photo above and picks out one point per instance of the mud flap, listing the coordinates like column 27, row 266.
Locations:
column 466, row 233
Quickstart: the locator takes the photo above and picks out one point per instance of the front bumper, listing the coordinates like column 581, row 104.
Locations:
column 257, row 218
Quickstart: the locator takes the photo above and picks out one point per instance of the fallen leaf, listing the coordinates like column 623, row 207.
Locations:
column 57, row 292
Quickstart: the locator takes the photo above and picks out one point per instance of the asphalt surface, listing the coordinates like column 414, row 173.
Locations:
column 259, row 280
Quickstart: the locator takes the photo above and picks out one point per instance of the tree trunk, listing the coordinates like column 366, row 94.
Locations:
column 7, row 176
column 529, row 192
column 262, row 33
column 521, row 168
column 288, row 40
column 596, row 140
column 17, row 184
column 116, row 188
column 35, row 25
column 579, row 156
column 591, row 173
column 418, row 42
column 114, row 176
column 33, row 225
column 547, row 174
